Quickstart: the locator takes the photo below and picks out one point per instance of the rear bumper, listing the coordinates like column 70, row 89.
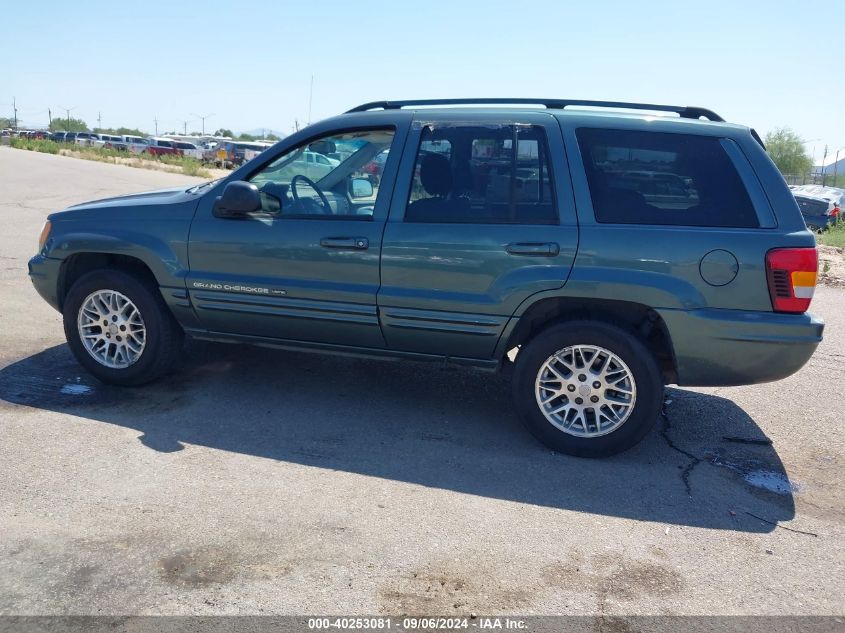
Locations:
column 44, row 273
column 733, row 347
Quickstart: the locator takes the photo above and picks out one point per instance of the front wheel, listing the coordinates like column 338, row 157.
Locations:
column 587, row 388
column 119, row 328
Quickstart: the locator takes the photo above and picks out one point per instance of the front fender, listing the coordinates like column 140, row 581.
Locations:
column 166, row 257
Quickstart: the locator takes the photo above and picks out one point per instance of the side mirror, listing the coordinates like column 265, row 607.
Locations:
column 238, row 200
column 361, row 188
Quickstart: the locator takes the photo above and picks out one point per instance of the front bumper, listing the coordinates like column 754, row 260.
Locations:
column 44, row 273
column 734, row 347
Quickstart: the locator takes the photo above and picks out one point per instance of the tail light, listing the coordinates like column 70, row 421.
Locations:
column 791, row 273
column 834, row 213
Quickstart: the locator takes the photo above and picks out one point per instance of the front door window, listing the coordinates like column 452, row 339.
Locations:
column 327, row 178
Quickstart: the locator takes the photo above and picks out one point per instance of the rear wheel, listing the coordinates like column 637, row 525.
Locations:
column 119, row 328
column 587, row 388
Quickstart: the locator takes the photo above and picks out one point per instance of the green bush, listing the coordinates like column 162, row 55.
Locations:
column 188, row 166
column 834, row 235
column 35, row 145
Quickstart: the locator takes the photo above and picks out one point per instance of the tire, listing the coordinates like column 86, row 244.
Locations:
column 625, row 354
column 161, row 336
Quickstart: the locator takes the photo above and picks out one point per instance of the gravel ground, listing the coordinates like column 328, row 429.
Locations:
column 258, row 481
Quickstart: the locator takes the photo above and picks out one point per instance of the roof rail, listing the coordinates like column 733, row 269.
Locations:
column 687, row 112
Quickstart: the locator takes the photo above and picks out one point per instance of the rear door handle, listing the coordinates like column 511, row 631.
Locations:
column 534, row 249
column 352, row 243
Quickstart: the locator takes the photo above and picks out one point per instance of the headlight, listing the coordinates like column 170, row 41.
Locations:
column 45, row 233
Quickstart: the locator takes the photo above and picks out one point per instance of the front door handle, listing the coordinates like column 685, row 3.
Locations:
column 534, row 249
column 352, row 243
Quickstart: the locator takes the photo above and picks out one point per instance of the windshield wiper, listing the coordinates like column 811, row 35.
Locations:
column 202, row 185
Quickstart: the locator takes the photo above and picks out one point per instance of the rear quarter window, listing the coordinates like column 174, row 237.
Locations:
column 660, row 178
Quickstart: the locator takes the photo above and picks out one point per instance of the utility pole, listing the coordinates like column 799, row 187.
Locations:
column 49, row 119
column 67, row 113
column 99, row 121
column 836, row 166
column 156, row 122
column 15, row 108
column 199, row 116
column 310, row 99
column 824, row 167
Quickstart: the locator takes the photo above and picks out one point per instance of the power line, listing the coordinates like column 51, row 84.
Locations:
column 199, row 116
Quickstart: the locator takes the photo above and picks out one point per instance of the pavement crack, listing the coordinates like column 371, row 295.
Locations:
column 694, row 461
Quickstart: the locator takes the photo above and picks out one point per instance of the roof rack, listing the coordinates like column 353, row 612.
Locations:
column 687, row 112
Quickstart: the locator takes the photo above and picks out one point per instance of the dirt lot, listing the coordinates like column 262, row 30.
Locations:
column 258, row 481
column 831, row 266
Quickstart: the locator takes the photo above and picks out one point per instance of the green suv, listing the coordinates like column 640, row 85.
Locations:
column 602, row 252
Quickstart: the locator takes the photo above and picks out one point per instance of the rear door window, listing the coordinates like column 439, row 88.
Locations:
column 473, row 175
column 660, row 178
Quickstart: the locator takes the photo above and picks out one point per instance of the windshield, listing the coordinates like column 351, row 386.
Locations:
column 353, row 151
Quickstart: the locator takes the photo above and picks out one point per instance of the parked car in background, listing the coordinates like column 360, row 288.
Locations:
column 33, row 134
column 821, row 206
column 57, row 137
column 188, row 149
column 375, row 167
column 135, row 144
column 228, row 154
column 161, row 146
column 85, row 139
column 258, row 147
column 109, row 141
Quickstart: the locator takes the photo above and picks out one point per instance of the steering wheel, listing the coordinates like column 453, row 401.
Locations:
column 323, row 200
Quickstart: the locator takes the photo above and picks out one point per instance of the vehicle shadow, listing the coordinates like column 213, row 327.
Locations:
column 429, row 425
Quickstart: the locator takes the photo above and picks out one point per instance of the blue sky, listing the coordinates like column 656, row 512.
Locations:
column 249, row 64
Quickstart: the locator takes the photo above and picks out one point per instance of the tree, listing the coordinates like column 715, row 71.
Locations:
column 787, row 151
column 61, row 124
column 247, row 137
column 4, row 123
column 224, row 132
